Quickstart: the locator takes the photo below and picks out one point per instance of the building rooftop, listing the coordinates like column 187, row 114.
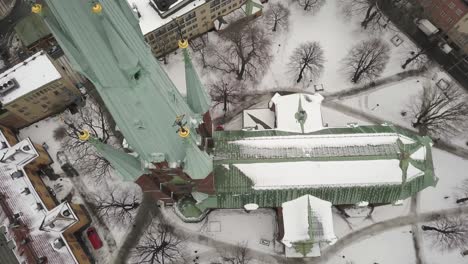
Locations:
column 342, row 165
column 31, row 29
column 27, row 76
column 150, row 19
column 24, row 209
column 291, row 109
column 307, row 220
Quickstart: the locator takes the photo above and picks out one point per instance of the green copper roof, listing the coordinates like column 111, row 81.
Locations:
column 109, row 49
column 197, row 98
column 301, row 115
column 198, row 164
column 31, row 29
column 234, row 189
column 125, row 164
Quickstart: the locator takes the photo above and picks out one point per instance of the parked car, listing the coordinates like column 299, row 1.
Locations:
column 94, row 238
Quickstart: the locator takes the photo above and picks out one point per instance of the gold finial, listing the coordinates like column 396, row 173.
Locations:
column 36, row 8
column 83, row 135
column 97, row 8
column 184, row 132
column 183, row 43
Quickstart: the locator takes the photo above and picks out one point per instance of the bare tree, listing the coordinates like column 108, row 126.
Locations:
column 163, row 47
column 277, row 16
column 244, row 50
column 369, row 12
column 462, row 191
column 117, row 205
column 159, row 245
column 311, row 5
column 439, row 111
column 237, row 255
column 366, row 60
column 448, row 232
column 199, row 46
column 83, row 156
column 307, row 61
column 226, row 92
column 417, row 59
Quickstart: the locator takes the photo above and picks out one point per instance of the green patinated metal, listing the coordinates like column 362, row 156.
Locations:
column 301, row 115
column 197, row 98
column 249, row 5
column 197, row 164
column 31, row 29
column 234, row 189
column 126, row 165
column 109, row 49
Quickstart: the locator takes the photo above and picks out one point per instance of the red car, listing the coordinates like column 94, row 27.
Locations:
column 94, row 238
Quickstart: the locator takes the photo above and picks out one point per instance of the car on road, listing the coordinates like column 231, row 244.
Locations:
column 94, row 238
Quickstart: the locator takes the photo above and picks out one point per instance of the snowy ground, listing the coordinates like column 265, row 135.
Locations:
column 42, row 132
column 336, row 38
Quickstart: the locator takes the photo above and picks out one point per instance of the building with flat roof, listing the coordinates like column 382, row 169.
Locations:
column 34, row 89
column 35, row 228
column 165, row 22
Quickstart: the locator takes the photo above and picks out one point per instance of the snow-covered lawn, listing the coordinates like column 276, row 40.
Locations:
column 235, row 226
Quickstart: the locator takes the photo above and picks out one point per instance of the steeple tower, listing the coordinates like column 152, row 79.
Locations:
column 104, row 43
column 197, row 98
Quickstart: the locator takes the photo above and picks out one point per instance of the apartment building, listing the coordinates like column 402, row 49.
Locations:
column 35, row 227
column 445, row 14
column 36, row 36
column 165, row 22
column 34, row 89
column 459, row 34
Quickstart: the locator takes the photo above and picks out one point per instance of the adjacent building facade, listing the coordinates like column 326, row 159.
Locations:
column 36, row 36
column 36, row 227
column 34, row 89
column 184, row 19
column 451, row 16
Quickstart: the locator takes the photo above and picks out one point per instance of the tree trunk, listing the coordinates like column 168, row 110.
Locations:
column 368, row 17
column 274, row 25
column 301, row 73
column 356, row 76
column 225, row 102
column 408, row 61
column 462, row 200
column 432, row 228
column 240, row 73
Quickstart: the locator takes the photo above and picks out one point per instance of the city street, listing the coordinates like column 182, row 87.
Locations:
column 455, row 64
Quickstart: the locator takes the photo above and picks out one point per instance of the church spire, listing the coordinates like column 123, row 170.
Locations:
column 197, row 98
column 104, row 44
column 129, row 167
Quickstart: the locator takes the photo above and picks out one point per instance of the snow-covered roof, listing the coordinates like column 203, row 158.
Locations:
column 307, row 215
column 420, row 154
column 287, row 106
column 150, row 20
column 31, row 74
column 259, row 119
column 59, row 218
column 316, row 141
column 22, row 198
column 302, row 174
